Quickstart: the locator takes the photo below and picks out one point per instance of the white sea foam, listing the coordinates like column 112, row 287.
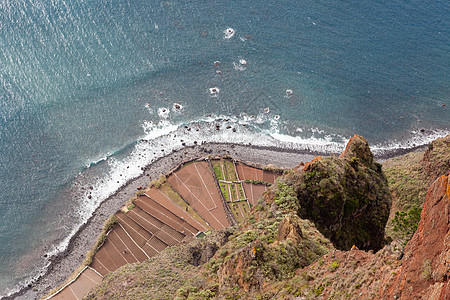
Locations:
column 288, row 93
column 159, row 140
column 98, row 160
column 417, row 139
column 239, row 66
column 228, row 33
column 177, row 107
column 163, row 112
column 214, row 91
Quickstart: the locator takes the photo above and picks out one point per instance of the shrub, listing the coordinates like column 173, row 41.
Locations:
column 405, row 223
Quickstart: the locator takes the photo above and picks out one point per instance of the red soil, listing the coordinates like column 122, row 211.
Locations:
column 121, row 247
column 249, row 173
column 80, row 287
column 139, row 234
column 146, row 221
column 197, row 186
column 107, row 259
column 165, row 201
column 156, row 244
column 132, row 245
column 169, row 236
column 270, row 176
column 164, row 215
column 254, row 192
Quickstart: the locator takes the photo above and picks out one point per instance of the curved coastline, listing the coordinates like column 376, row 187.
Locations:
column 63, row 264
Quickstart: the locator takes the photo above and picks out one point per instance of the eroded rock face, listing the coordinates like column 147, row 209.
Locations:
column 358, row 147
column 289, row 229
column 436, row 160
column 426, row 265
column 347, row 197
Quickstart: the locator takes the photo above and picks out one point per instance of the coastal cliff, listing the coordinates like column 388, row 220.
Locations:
column 317, row 232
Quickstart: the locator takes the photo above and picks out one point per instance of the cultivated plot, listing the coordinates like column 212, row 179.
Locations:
column 269, row 176
column 254, row 192
column 164, row 214
column 249, row 173
column 87, row 280
column 165, row 201
column 240, row 210
column 196, row 184
column 224, row 169
column 167, row 189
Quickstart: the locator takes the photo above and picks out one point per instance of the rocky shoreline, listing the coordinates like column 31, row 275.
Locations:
column 64, row 264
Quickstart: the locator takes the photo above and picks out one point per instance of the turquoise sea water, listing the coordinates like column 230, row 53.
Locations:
column 91, row 91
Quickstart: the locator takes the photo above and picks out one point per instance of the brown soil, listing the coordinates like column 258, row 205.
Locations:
column 163, row 214
column 196, row 185
column 65, row 263
column 132, row 246
column 139, row 234
column 121, row 247
column 156, row 244
column 254, row 192
column 269, row 176
column 249, row 173
column 193, row 228
column 147, row 222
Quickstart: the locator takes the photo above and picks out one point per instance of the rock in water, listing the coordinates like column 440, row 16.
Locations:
column 347, row 197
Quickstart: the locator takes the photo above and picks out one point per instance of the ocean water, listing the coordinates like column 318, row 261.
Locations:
column 91, row 91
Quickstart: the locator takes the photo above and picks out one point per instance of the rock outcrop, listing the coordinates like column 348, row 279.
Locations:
column 347, row 197
column 436, row 159
column 410, row 176
column 422, row 273
column 426, row 265
column 283, row 250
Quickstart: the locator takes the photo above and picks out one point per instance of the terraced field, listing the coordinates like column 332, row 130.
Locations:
column 199, row 196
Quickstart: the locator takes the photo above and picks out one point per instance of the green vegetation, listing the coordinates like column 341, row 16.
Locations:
column 240, row 191
column 409, row 178
column 107, row 226
column 230, row 171
column 334, row 266
column 346, row 197
column 217, row 167
column 158, row 182
column 257, row 182
column 282, row 249
column 224, row 169
column 405, row 223
column 240, row 210
column 225, row 191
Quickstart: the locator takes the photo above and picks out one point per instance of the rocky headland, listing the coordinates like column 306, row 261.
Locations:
column 332, row 228
column 337, row 227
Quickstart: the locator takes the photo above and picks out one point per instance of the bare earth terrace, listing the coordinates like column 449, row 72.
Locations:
column 197, row 197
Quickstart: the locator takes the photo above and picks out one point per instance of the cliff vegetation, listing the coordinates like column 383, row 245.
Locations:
column 318, row 233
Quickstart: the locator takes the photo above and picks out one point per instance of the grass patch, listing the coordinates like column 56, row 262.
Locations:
column 225, row 191
column 406, row 222
column 217, row 167
column 157, row 183
column 230, row 171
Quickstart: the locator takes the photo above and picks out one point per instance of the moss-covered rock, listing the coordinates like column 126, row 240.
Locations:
column 347, row 197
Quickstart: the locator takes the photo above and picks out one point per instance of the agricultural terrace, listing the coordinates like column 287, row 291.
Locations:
column 198, row 197
column 197, row 186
